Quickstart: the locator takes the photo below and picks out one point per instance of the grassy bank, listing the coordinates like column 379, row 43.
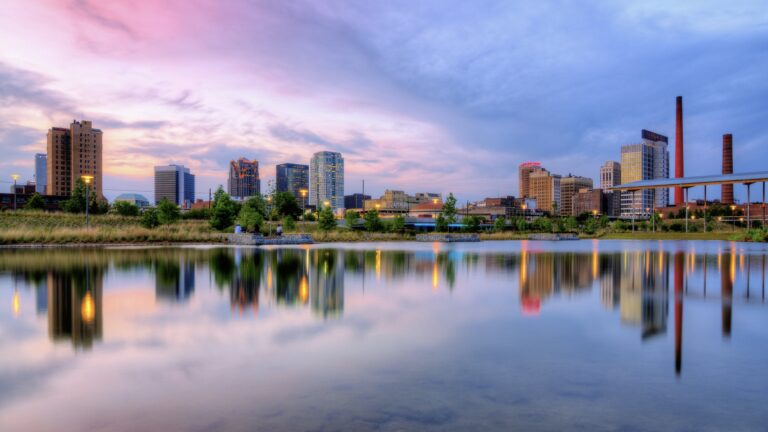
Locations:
column 62, row 228
column 719, row 235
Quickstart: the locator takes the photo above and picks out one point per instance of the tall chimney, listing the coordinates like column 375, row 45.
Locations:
column 727, row 190
column 679, row 170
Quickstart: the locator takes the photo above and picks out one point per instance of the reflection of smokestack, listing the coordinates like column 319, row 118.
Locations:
column 726, row 292
column 679, row 170
column 678, row 278
column 727, row 190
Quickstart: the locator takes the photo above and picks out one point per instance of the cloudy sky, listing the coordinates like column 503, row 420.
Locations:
column 418, row 95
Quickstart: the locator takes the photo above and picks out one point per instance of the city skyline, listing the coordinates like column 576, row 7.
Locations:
column 438, row 110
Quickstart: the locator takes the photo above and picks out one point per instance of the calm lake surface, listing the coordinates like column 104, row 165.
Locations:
column 591, row 335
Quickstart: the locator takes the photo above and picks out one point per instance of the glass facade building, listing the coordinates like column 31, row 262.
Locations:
column 326, row 180
column 293, row 178
column 646, row 160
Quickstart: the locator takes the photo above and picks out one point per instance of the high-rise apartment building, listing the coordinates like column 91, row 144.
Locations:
column 610, row 175
column 244, row 178
column 326, row 179
column 570, row 186
column 72, row 154
column 41, row 172
column 525, row 170
column 293, row 178
column 545, row 188
column 646, row 160
column 176, row 183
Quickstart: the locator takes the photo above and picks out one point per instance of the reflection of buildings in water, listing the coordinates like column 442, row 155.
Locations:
column 74, row 306
column 610, row 280
column 643, row 294
column 545, row 274
column 174, row 281
column 326, row 282
column 245, row 282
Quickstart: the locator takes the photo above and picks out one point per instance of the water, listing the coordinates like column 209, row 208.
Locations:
column 592, row 335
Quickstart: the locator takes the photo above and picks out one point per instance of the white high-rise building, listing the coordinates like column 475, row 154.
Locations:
column 646, row 160
column 41, row 172
column 326, row 180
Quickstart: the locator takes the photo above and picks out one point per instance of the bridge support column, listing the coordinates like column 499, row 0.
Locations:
column 685, row 190
column 749, row 223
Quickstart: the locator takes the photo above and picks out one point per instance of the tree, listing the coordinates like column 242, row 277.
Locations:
column 350, row 218
column 224, row 210
column 449, row 209
column 604, row 221
column 522, row 225
column 250, row 219
column 125, row 208
column 571, row 224
column 372, row 221
column 286, row 205
column 499, row 224
column 35, row 202
column 167, row 212
column 542, row 224
column 149, row 219
column 441, row 223
column 398, row 223
column 289, row 223
column 76, row 201
column 472, row 224
column 326, row 220
column 590, row 227
column 258, row 204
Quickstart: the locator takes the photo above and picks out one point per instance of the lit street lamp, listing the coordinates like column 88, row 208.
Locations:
column 87, row 179
column 15, row 177
column 303, row 193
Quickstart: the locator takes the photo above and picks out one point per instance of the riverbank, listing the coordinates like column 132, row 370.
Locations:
column 37, row 229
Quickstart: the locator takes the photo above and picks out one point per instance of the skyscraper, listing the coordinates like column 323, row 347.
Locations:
column 41, row 172
column 570, row 186
column 647, row 160
column 73, row 153
column 294, row 178
column 545, row 188
column 175, row 183
column 326, row 179
column 610, row 175
column 244, row 178
column 524, row 170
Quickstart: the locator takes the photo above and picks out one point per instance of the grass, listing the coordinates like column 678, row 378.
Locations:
column 63, row 228
column 645, row 235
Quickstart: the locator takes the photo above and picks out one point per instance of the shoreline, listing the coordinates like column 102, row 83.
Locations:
column 382, row 237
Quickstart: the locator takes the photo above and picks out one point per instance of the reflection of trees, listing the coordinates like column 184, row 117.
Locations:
column 326, row 284
column 246, row 280
column 222, row 266
column 289, row 272
column 174, row 279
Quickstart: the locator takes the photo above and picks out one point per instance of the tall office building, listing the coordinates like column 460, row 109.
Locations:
column 646, row 160
column 244, row 178
column 41, row 169
column 293, row 178
column 175, row 183
column 525, row 170
column 569, row 187
column 545, row 188
column 326, row 179
column 73, row 153
column 610, row 175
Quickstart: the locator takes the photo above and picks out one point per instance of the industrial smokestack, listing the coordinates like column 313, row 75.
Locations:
column 727, row 190
column 679, row 169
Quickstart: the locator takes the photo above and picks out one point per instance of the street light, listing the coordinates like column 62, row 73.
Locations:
column 303, row 193
column 15, row 177
column 87, row 179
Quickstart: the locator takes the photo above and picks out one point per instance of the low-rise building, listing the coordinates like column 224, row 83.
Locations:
column 399, row 202
column 135, row 199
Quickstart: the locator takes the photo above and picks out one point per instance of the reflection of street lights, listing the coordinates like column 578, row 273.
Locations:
column 15, row 177
column 87, row 179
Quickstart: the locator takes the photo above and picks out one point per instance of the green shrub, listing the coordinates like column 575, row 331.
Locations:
column 167, row 212
column 35, row 202
column 372, row 221
column 150, row 219
column 125, row 208
column 326, row 220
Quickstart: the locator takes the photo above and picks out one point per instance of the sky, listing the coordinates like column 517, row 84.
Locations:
column 434, row 95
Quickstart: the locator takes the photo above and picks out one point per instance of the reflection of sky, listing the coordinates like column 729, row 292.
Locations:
column 402, row 355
